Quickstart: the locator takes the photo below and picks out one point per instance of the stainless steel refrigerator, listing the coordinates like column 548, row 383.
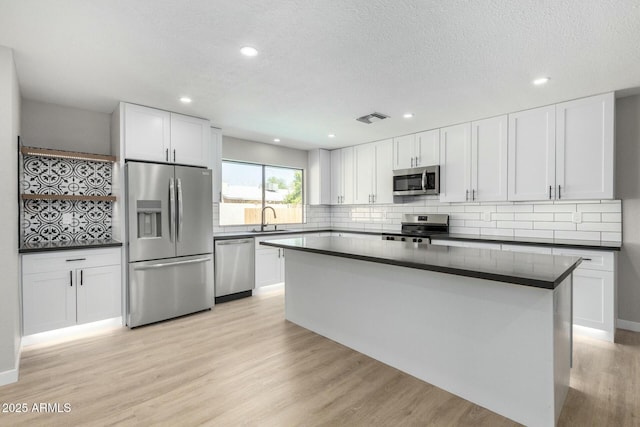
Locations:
column 170, row 241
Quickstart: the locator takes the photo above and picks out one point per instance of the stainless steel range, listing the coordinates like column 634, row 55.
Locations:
column 418, row 228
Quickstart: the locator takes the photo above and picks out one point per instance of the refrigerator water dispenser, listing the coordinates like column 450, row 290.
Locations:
column 149, row 218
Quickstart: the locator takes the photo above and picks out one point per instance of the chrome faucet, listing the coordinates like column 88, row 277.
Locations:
column 264, row 224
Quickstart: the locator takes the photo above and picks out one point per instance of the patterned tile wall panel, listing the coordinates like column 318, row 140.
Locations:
column 42, row 219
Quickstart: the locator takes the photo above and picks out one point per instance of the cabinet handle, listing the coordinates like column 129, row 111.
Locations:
column 174, row 156
column 412, row 162
column 373, row 196
column 81, row 280
column 166, row 155
column 559, row 194
column 71, row 278
column 549, row 192
column 587, row 259
column 466, row 195
column 76, row 259
column 416, row 162
column 473, row 194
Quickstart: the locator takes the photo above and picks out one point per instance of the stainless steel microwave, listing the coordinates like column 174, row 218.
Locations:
column 416, row 181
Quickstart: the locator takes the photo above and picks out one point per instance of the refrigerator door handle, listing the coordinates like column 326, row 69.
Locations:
column 171, row 264
column 180, row 211
column 172, row 210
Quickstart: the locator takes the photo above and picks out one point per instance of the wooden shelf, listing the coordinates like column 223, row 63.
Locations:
column 67, row 197
column 45, row 152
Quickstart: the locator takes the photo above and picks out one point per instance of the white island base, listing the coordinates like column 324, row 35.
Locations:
column 503, row 346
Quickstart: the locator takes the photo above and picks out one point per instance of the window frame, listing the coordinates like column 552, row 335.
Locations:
column 264, row 166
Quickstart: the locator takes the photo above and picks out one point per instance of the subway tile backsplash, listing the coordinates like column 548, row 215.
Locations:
column 601, row 220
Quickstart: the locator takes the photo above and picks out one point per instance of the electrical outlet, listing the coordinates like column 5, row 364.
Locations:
column 577, row 217
column 67, row 218
column 486, row 216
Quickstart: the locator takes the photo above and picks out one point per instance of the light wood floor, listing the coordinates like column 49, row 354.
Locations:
column 243, row 364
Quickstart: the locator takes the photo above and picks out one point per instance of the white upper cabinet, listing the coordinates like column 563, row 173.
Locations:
column 564, row 151
column 404, row 152
column 585, row 148
column 364, row 165
column 373, row 173
column 161, row 136
column 342, row 176
column 147, row 133
column 427, row 146
column 319, row 177
column 489, row 159
column 383, row 172
column 420, row 149
column 455, row 163
column 532, row 154
column 190, row 140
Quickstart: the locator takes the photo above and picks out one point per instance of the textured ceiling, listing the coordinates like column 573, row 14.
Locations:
column 322, row 63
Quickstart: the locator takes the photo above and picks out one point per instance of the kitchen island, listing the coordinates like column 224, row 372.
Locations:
column 491, row 327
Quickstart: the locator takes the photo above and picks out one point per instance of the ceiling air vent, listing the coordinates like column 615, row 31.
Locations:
column 372, row 118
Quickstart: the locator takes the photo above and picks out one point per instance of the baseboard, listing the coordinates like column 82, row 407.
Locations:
column 593, row 333
column 11, row 376
column 628, row 325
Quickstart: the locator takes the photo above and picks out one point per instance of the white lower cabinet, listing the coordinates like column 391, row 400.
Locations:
column 66, row 288
column 594, row 293
column 269, row 268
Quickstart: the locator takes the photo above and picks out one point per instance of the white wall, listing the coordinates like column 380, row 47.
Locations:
column 256, row 152
column 10, row 327
column 64, row 128
column 628, row 189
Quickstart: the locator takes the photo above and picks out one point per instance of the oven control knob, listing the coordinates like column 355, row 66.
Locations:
column 403, row 239
column 419, row 240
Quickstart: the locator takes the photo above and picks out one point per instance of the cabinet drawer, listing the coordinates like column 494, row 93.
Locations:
column 591, row 260
column 65, row 260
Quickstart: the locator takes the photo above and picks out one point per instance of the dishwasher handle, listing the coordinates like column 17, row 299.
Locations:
column 234, row 242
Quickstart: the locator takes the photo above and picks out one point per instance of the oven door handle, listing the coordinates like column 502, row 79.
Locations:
column 424, row 177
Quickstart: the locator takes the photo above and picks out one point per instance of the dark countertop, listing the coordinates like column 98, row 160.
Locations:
column 533, row 241
column 537, row 270
column 245, row 234
column 67, row 246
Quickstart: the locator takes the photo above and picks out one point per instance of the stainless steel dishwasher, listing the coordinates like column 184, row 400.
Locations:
column 234, row 269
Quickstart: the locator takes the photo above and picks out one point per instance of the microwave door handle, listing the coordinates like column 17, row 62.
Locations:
column 424, row 177
column 172, row 210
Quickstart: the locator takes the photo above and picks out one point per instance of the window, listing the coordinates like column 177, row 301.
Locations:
column 248, row 187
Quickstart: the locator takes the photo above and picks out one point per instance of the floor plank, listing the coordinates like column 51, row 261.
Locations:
column 244, row 364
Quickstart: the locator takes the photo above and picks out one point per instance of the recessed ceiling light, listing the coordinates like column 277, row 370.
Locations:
column 331, row 135
column 249, row 51
column 276, row 139
column 185, row 99
column 541, row 81
column 407, row 115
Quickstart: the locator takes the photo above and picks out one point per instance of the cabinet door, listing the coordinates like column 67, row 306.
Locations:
column 593, row 300
column 147, row 133
column 336, row 177
column 532, row 154
column 319, row 177
column 403, row 152
column 216, row 164
column 190, row 140
column 269, row 267
column 347, row 174
column 383, row 177
column 489, row 159
column 98, row 293
column 584, row 148
column 455, row 163
column 364, row 163
column 428, row 148
column 48, row 301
